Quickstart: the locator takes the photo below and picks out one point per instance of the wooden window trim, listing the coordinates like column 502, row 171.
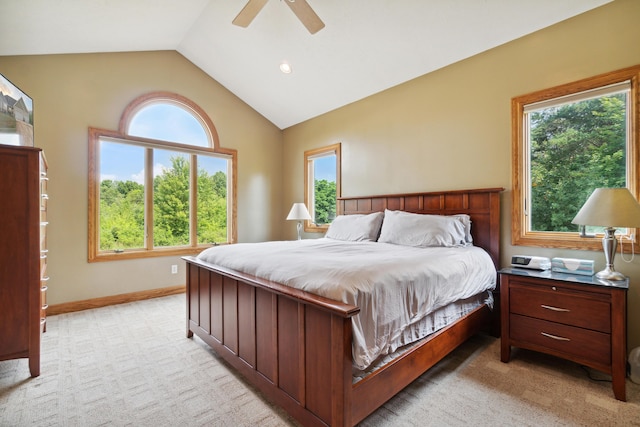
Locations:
column 519, row 235
column 95, row 134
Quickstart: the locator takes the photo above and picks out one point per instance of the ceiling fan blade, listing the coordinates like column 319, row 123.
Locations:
column 306, row 15
column 248, row 12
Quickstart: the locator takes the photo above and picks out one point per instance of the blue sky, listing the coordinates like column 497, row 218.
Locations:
column 325, row 168
column 163, row 122
column 167, row 122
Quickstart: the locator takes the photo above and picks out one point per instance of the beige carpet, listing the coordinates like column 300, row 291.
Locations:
column 131, row 365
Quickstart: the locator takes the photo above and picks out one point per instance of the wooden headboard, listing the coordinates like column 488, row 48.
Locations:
column 482, row 205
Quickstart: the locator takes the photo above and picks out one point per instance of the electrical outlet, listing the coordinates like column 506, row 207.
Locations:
column 174, row 269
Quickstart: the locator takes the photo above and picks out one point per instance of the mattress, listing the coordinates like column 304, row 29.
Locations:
column 430, row 324
column 394, row 286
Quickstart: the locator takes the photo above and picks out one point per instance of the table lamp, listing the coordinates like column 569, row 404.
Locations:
column 610, row 208
column 299, row 213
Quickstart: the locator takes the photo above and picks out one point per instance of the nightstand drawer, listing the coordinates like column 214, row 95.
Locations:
column 576, row 343
column 581, row 310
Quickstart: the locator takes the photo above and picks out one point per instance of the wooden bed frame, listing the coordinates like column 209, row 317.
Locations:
column 295, row 347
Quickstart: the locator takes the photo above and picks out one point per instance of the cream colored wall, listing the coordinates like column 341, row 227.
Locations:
column 450, row 129
column 73, row 92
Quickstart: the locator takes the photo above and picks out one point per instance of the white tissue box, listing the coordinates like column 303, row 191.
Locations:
column 573, row 266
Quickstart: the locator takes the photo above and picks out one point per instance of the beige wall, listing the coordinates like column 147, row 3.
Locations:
column 73, row 92
column 450, row 129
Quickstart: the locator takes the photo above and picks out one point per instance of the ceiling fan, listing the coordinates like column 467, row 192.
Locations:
column 301, row 8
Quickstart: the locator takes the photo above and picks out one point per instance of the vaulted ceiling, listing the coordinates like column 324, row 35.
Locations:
column 365, row 47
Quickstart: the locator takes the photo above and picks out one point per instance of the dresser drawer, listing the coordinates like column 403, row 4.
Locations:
column 43, row 271
column 568, row 341
column 43, row 302
column 43, row 234
column 584, row 310
column 44, row 200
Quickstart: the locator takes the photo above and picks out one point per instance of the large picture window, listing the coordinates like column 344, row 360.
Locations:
column 322, row 186
column 567, row 142
column 160, row 185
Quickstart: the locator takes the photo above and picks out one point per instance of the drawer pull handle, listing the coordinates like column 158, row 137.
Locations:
column 549, row 307
column 555, row 337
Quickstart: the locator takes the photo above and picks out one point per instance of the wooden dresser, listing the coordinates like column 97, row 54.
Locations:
column 579, row 318
column 22, row 253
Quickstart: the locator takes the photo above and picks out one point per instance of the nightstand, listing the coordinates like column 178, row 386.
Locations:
column 579, row 318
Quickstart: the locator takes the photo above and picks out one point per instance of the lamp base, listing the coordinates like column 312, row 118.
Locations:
column 609, row 274
column 609, row 244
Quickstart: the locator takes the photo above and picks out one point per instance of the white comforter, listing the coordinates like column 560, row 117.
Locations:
column 394, row 286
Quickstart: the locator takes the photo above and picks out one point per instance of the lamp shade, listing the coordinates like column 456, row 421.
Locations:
column 610, row 207
column 298, row 212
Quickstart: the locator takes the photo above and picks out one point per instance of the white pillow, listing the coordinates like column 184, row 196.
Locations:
column 409, row 229
column 466, row 221
column 356, row 228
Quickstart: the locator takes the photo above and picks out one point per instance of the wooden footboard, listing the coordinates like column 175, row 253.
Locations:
column 295, row 347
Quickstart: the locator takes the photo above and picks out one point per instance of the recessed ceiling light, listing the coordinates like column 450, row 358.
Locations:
column 285, row 67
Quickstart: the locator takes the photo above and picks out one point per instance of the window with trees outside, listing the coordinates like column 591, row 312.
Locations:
column 160, row 185
column 568, row 141
column 321, row 186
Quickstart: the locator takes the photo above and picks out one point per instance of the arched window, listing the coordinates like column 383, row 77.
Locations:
column 160, row 185
column 170, row 122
